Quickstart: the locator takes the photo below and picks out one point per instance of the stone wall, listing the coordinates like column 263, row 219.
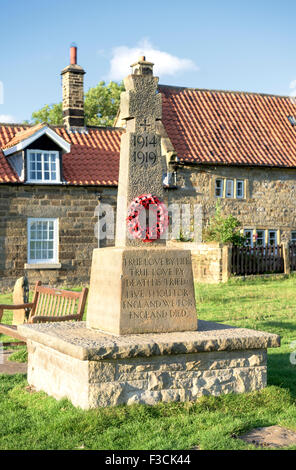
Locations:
column 210, row 261
column 75, row 209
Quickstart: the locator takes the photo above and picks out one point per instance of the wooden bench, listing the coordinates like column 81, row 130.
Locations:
column 48, row 305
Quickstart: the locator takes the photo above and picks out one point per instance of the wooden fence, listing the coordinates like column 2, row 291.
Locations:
column 257, row 260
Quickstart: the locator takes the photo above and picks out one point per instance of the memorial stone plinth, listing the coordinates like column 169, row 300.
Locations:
column 97, row 369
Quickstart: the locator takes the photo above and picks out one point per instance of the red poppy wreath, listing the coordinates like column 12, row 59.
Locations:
column 142, row 207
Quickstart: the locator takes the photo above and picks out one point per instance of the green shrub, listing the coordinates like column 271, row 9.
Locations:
column 223, row 229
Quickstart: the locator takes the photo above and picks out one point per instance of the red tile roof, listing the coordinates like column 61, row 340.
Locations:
column 19, row 136
column 205, row 126
column 224, row 127
column 93, row 160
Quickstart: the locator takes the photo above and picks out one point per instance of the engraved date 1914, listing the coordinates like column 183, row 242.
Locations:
column 144, row 156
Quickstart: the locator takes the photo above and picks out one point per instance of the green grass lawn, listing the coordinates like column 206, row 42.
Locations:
column 36, row 421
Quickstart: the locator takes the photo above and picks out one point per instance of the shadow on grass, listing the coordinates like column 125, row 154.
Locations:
column 281, row 325
column 281, row 373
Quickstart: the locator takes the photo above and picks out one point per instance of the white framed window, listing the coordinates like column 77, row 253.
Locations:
column 293, row 237
column 248, row 234
column 43, row 166
column 219, row 187
column 229, row 188
column 260, row 237
column 42, row 241
column 240, row 189
column 272, row 237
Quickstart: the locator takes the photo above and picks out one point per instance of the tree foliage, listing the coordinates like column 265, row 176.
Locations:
column 223, row 229
column 101, row 104
column 52, row 114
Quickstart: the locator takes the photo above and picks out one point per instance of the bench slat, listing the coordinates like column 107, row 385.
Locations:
column 46, row 304
column 50, row 303
column 55, row 298
column 63, row 293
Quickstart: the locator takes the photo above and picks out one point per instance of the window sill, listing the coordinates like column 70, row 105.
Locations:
column 43, row 266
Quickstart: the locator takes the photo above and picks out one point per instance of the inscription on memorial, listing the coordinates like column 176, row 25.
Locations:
column 157, row 287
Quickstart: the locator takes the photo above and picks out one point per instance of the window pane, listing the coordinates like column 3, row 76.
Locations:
column 229, row 188
column 293, row 236
column 41, row 240
column 42, row 166
column 249, row 237
column 32, row 166
column 272, row 237
column 260, row 240
column 240, row 189
column 218, row 188
column 53, row 166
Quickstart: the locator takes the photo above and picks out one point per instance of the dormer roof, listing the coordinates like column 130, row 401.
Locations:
column 22, row 139
column 93, row 158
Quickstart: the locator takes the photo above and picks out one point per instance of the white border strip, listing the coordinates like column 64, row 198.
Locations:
column 45, row 130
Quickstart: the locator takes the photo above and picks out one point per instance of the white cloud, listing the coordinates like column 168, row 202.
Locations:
column 165, row 63
column 6, row 118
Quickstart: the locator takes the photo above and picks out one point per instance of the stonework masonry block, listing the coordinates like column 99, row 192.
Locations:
column 93, row 369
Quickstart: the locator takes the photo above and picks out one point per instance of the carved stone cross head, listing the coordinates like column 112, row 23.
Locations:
column 141, row 104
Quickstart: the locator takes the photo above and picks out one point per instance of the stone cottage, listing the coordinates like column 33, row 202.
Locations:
column 235, row 147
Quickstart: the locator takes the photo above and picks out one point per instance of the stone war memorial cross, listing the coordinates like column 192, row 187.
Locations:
column 146, row 286
column 140, row 342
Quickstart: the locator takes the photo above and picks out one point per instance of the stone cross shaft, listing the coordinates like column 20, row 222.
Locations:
column 141, row 164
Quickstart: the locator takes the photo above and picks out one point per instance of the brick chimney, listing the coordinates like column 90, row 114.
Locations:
column 73, row 93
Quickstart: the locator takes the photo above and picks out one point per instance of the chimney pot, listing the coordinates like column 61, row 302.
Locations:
column 73, row 55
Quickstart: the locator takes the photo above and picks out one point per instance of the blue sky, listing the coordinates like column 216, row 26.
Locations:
column 233, row 45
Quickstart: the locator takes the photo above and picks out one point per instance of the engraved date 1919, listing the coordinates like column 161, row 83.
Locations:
column 144, row 156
